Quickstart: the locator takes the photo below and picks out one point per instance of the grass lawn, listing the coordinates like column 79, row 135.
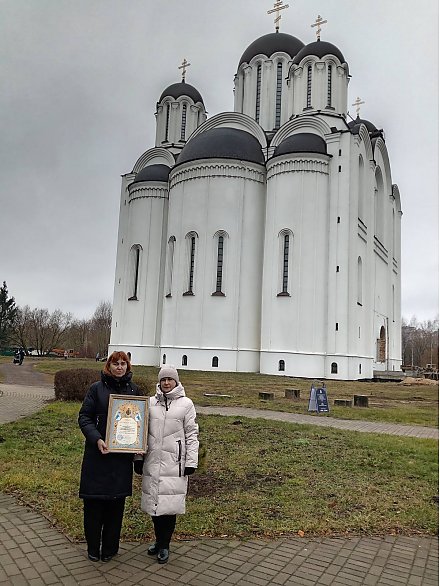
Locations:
column 415, row 404
column 263, row 478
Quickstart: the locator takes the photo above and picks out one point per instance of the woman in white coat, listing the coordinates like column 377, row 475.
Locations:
column 171, row 457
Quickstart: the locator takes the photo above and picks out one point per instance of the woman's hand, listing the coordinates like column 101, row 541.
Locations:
column 102, row 446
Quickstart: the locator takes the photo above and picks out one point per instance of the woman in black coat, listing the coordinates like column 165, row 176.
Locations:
column 106, row 478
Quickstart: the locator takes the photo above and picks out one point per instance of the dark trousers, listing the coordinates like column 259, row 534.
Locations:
column 102, row 525
column 164, row 528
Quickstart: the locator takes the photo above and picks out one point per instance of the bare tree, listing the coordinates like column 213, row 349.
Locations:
column 101, row 323
column 420, row 342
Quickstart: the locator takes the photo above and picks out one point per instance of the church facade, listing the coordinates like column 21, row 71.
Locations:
column 266, row 239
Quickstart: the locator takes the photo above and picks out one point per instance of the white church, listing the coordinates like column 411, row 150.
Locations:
column 266, row 239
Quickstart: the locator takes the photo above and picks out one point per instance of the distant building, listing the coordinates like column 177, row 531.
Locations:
column 266, row 239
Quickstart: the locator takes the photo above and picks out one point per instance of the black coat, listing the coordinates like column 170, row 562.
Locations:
column 103, row 476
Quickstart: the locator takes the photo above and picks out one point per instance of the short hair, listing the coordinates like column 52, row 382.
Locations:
column 114, row 357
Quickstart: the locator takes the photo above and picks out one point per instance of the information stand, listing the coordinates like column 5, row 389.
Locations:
column 318, row 401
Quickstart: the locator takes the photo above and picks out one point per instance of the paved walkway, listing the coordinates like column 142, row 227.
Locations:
column 32, row 552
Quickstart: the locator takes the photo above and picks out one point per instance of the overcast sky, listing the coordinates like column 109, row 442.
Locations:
column 80, row 82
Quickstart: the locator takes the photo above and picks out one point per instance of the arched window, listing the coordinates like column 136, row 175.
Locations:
column 170, row 263
column 281, row 365
column 379, row 201
column 278, row 95
column 135, row 256
column 183, row 124
column 361, row 188
column 191, row 238
column 184, row 360
column 329, row 85
column 285, row 252
column 164, row 359
column 215, row 361
column 258, row 96
column 309, row 86
column 334, row 368
column 167, row 122
column 220, row 239
column 381, row 345
column 359, row 281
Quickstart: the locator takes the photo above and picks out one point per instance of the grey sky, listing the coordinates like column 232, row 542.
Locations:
column 80, row 82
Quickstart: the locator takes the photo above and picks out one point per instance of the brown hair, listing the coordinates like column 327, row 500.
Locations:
column 114, row 357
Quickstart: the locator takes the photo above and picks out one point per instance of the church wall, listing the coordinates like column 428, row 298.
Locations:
column 141, row 312
column 297, row 201
column 209, row 198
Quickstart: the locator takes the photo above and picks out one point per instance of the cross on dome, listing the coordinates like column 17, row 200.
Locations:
column 278, row 5
column 183, row 67
column 358, row 103
column 318, row 23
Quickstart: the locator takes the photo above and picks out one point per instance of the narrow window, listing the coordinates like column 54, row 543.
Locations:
column 164, row 359
column 285, row 254
column 337, row 327
column 258, row 96
column 183, row 126
column 359, row 281
column 285, row 263
column 218, row 285
column 278, row 95
column 215, row 361
column 360, row 368
column 329, row 86
column 281, row 365
column 184, row 360
column 167, row 122
column 170, row 263
column 135, row 259
column 309, row 86
column 334, row 368
column 191, row 243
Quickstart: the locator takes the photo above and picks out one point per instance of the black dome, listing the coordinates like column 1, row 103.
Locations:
column 182, row 89
column 270, row 44
column 223, row 143
column 320, row 49
column 303, row 142
column 153, row 173
column 370, row 126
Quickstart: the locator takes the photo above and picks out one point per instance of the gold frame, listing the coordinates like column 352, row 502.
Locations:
column 131, row 425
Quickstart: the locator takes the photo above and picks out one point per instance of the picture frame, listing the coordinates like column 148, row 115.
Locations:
column 127, row 424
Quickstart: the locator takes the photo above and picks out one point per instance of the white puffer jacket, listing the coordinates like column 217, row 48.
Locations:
column 172, row 444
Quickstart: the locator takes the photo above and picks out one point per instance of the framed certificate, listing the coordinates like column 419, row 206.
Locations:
column 127, row 424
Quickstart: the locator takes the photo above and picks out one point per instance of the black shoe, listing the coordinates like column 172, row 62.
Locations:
column 153, row 549
column 93, row 558
column 163, row 555
column 107, row 558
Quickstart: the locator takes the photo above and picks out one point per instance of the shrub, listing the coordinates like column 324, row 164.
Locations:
column 72, row 384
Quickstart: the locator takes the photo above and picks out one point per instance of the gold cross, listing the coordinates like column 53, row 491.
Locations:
column 358, row 103
column 183, row 67
column 278, row 5
column 318, row 23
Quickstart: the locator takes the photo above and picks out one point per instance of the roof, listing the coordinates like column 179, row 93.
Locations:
column 223, row 143
column 355, row 123
column 182, row 89
column 153, row 173
column 302, row 142
column 320, row 49
column 270, row 44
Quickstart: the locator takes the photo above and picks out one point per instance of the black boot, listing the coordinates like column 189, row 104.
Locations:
column 153, row 549
column 163, row 555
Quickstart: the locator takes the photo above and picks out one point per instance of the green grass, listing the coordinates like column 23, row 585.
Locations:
column 389, row 402
column 263, row 478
